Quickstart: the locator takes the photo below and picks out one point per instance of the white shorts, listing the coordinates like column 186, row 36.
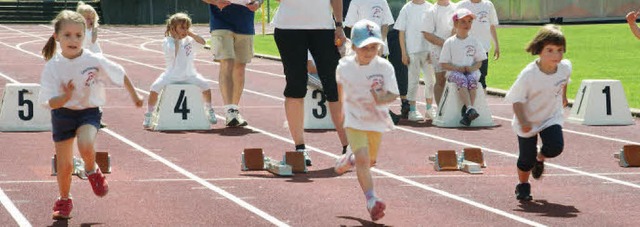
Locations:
column 164, row 80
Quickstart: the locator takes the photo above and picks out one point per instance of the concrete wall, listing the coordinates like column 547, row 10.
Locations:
column 151, row 11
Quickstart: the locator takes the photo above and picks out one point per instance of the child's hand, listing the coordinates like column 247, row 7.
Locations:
column 405, row 59
column 565, row 102
column 68, row 89
column 253, row 6
column 221, row 3
column 525, row 126
column 632, row 16
column 138, row 100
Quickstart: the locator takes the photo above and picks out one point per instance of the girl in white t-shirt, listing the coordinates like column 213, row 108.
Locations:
column 73, row 86
column 539, row 95
column 367, row 84
column 437, row 27
column 462, row 56
column 91, row 34
column 179, row 54
column 415, row 54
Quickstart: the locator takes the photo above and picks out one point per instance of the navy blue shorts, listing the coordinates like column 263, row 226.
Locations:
column 65, row 122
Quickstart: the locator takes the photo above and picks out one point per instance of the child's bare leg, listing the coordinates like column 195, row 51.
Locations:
column 463, row 93
column 363, row 162
column 472, row 96
column 439, row 86
column 153, row 99
column 86, row 140
column 206, row 95
column 64, row 165
column 523, row 176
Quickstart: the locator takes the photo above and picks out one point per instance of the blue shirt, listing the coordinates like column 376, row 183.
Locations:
column 237, row 18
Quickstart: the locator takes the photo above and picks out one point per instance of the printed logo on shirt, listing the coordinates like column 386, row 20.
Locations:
column 377, row 82
column 559, row 85
column 90, row 73
column 482, row 17
column 470, row 50
column 187, row 49
column 376, row 14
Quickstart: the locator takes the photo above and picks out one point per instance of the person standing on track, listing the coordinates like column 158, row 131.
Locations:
column 73, row 87
column 367, row 84
column 232, row 30
column 302, row 25
column 179, row 55
column 539, row 95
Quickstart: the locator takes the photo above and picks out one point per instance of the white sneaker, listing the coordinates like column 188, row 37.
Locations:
column 415, row 116
column 212, row 117
column 345, row 163
column 428, row 113
column 147, row 121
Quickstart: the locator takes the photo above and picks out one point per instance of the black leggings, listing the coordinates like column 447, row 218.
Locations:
column 293, row 45
column 552, row 145
column 395, row 57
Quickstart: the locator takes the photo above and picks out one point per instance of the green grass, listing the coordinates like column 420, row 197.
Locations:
column 603, row 51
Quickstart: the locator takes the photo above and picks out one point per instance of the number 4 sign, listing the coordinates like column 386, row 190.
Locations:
column 180, row 108
column 601, row 102
column 19, row 110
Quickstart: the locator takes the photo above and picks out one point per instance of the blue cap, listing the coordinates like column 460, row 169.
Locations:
column 365, row 32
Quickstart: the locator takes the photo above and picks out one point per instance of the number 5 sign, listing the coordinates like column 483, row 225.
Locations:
column 316, row 110
column 20, row 111
column 601, row 102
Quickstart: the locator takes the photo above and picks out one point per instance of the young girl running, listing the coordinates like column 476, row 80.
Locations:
column 73, row 86
column 179, row 54
column 91, row 33
column 367, row 84
column 538, row 96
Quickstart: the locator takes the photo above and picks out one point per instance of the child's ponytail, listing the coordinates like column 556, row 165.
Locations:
column 49, row 49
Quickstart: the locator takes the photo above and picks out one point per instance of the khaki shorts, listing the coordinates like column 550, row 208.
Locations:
column 229, row 45
column 359, row 139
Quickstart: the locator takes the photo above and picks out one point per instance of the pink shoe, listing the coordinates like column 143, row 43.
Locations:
column 62, row 209
column 376, row 208
column 344, row 163
column 98, row 183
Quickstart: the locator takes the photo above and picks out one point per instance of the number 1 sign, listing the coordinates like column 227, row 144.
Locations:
column 601, row 102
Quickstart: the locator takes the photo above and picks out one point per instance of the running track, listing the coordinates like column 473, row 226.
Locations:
column 194, row 178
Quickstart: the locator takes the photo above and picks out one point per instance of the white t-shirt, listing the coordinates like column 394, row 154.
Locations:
column 462, row 52
column 304, row 14
column 89, row 73
column 374, row 10
column 439, row 20
column 360, row 109
column 541, row 95
column 485, row 17
column 410, row 20
column 87, row 44
column 179, row 66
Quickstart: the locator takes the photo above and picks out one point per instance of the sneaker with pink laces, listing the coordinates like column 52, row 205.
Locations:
column 344, row 163
column 62, row 209
column 376, row 207
column 98, row 183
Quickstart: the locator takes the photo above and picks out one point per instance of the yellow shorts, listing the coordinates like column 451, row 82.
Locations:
column 229, row 45
column 359, row 139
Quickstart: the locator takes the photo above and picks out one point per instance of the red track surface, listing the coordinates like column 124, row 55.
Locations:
column 194, row 178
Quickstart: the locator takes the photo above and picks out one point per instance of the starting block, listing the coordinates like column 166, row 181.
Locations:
column 20, row 110
column 180, row 108
column 316, row 110
column 254, row 159
column 601, row 102
column 471, row 160
column 103, row 160
column 449, row 114
column 629, row 156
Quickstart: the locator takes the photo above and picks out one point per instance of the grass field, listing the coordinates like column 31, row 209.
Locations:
column 602, row 51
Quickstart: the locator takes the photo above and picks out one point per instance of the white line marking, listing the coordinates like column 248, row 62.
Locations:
column 9, row 78
column 13, row 210
column 201, row 181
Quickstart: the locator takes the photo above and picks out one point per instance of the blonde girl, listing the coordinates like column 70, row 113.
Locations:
column 73, row 86
column 179, row 55
column 91, row 33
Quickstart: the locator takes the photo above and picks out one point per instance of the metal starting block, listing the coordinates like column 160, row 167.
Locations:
column 254, row 159
column 629, row 156
column 471, row 160
column 474, row 154
column 103, row 160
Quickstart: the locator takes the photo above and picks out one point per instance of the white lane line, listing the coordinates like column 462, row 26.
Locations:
column 201, row 181
column 9, row 78
column 13, row 210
